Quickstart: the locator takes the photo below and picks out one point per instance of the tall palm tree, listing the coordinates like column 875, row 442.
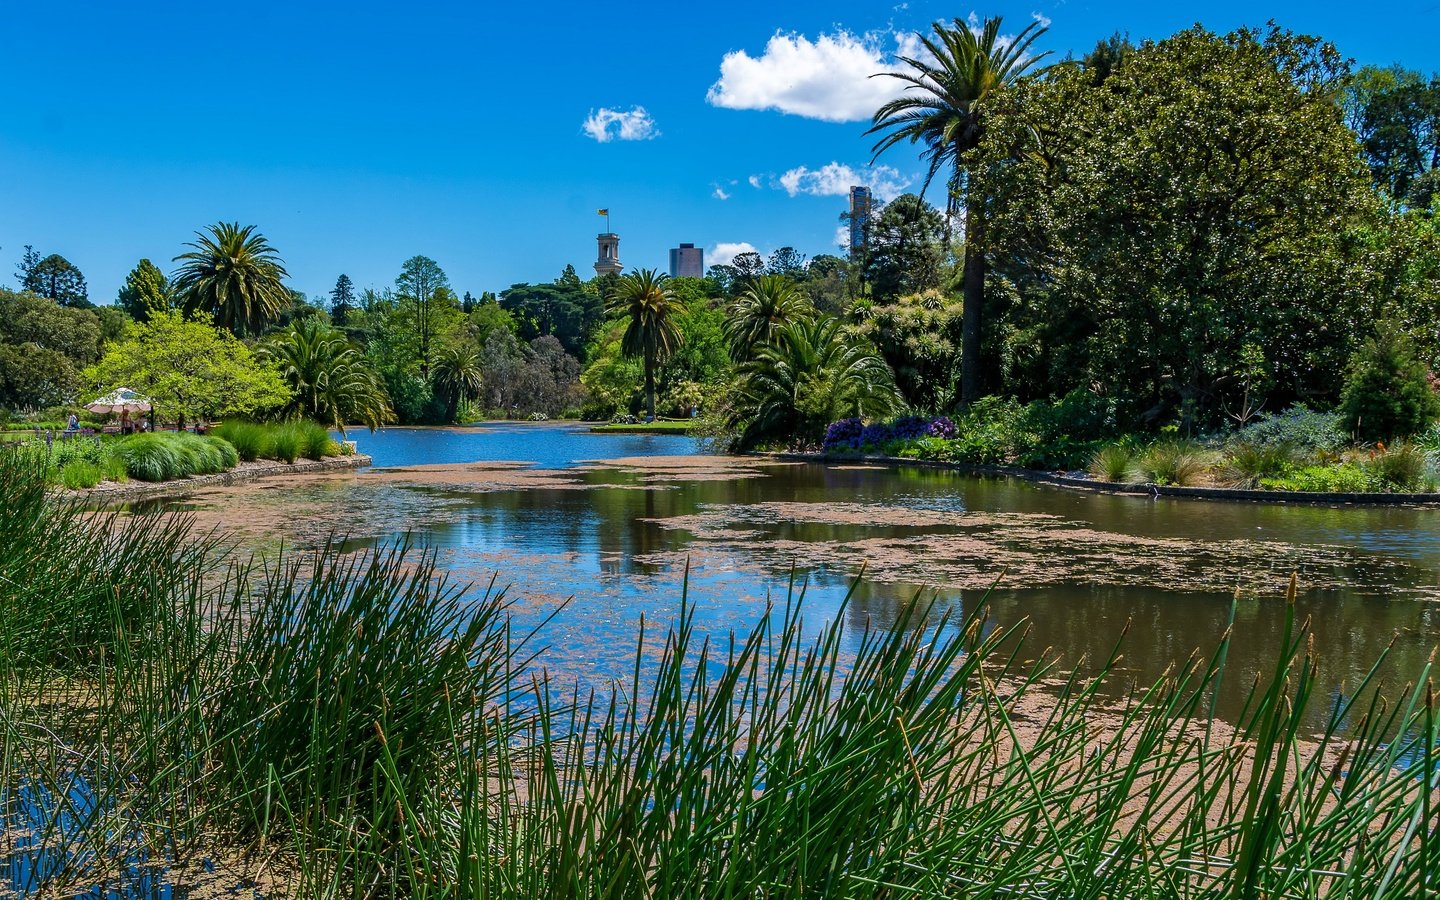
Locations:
column 812, row 373
column 234, row 274
column 767, row 304
column 458, row 376
column 645, row 299
column 942, row 107
column 330, row 378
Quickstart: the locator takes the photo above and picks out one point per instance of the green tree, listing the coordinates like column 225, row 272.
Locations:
column 812, row 374
column 643, row 299
column 233, row 275
column 563, row 308
column 1396, row 113
column 458, row 377
column 34, row 377
column 1204, row 199
column 919, row 337
column 57, row 278
column 190, row 370
column 766, row 305
column 342, row 299
column 416, row 287
column 906, row 250
column 942, row 108
column 29, row 262
column 145, row 288
column 329, row 379
column 27, row 318
column 1388, row 393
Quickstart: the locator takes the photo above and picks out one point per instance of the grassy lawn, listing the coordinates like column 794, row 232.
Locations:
column 644, row 428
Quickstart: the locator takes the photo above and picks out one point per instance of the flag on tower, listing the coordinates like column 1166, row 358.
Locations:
column 602, row 212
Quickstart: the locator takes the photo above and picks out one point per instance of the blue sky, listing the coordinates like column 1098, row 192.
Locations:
column 358, row 134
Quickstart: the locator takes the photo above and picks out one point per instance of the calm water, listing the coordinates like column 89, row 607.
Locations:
column 618, row 535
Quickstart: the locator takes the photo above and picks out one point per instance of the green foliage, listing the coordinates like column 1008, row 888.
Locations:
column 1173, row 461
column 1299, row 427
column 457, row 377
column 1346, row 478
column 766, row 305
column 165, row 455
column 563, row 309
column 330, row 381
column 315, row 440
column 1387, row 392
column 919, row 336
column 1245, row 464
column 288, row 441
column 251, row 440
column 1165, row 231
column 79, row 474
column 811, row 375
column 1404, row 468
column 234, row 276
column 145, row 288
column 31, row 319
column 643, row 300
column 1115, row 462
column 57, row 279
column 190, row 370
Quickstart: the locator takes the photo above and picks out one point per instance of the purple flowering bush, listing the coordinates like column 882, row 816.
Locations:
column 854, row 436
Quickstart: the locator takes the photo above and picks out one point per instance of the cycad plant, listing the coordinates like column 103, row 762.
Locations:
column 644, row 299
column 330, row 379
column 233, row 273
column 941, row 108
column 811, row 373
column 767, row 304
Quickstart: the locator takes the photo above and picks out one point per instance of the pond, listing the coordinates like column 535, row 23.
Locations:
column 615, row 520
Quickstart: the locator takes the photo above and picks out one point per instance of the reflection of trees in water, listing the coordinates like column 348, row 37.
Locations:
column 1350, row 633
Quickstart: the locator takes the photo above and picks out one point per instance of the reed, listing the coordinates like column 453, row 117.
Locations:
column 380, row 732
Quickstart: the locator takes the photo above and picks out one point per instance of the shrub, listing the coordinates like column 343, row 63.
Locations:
column 150, row 457
column 1173, row 462
column 1387, row 393
column 1302, row 429
column 1346, row 478
column 287, row 442
column 114, row 468
column 315, row 440
column 1115, row 462
column 250, row 440
column 1245, row 464
column 843, row 435
column 229, row 456
column 79, row 473
column 1402, row 468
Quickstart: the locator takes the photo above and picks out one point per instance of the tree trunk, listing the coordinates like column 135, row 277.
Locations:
column 650, row 387
column 972, row 322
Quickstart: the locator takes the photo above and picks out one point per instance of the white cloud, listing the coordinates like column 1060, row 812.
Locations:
column 1043, row 19
column 834, row 179
column 755, row 182
column 724, row 254
column 720, row 193
column 842, row 237
column 827, row 78
column 606, row 125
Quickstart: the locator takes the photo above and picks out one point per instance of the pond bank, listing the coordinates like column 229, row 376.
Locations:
column 1111, row 487
column 112, row 492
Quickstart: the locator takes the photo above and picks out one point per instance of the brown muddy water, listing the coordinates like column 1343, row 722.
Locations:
column 613, row 521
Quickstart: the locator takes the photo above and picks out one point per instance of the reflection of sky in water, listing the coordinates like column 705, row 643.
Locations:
column 1367, row 573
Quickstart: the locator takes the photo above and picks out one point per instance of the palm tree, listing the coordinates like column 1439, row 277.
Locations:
column 331, row 380
column 943, row 108
column 458, row 376
column 234, row 274
column 644, row 298
column 810, row 375
column 767, row 304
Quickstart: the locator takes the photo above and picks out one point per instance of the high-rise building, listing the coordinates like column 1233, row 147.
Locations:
column 687, row 261
column 608, row 261
column 859, row 218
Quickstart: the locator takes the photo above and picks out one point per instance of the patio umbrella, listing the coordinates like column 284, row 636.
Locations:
column 120, row 400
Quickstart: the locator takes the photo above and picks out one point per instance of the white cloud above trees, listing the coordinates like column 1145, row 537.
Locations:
column 827, row 78
column 634, row 124
column 835, row 179
column 723, row 254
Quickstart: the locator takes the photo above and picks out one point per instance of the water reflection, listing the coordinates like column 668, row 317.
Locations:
column 1079, row 566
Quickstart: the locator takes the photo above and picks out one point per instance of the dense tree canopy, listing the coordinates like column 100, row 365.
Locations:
column 233, row 275
column 1193, row 211
column 190, row 370
column 146, row 288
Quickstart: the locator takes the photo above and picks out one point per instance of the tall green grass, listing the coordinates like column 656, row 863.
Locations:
column 164, row 455
column 285, row 441
column 373, row 731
